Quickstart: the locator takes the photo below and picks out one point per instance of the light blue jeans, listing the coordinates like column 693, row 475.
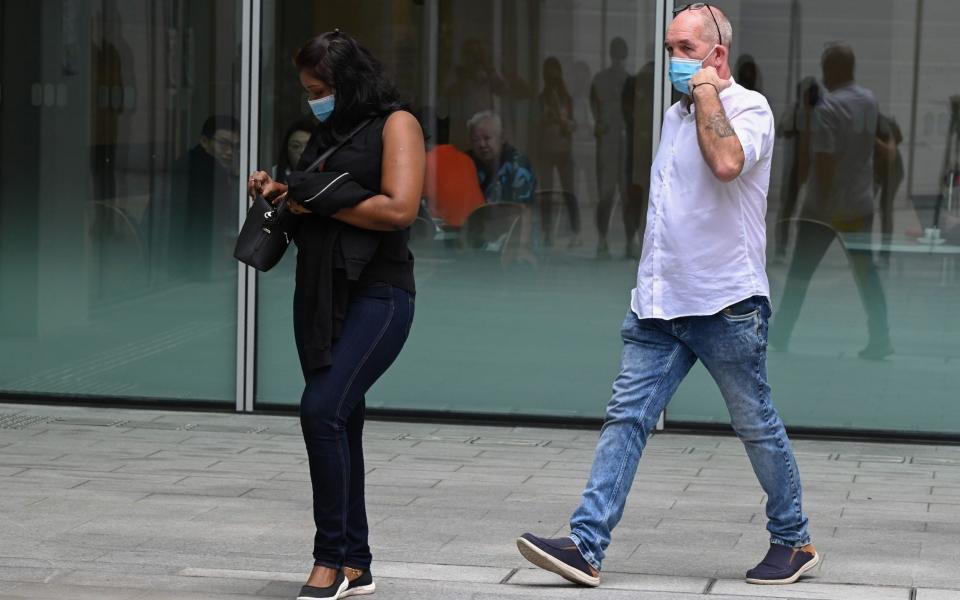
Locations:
column 657, row 355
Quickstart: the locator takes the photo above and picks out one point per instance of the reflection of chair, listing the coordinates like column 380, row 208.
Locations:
column 107, row 219
column 118, row 250
column 489, row 227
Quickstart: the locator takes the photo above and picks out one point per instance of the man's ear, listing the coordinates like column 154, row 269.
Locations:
column 720, row 56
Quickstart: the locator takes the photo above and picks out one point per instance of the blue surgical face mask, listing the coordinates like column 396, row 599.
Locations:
column 682, row 69
column 323, row 107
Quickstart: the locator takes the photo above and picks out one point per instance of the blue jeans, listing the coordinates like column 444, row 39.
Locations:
column 332, row 409
column 657, row 355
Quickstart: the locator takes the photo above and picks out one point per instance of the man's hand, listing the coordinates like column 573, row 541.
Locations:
column 708, row 75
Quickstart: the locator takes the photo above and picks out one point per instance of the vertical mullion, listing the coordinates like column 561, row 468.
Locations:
column 253, row 125
column 242, row 270
column 246, row 276
column 661, row 93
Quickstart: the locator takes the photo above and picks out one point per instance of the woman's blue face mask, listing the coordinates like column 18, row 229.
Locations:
column 682, row 69
column 323, row 107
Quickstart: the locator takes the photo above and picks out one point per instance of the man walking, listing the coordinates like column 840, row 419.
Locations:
column 702, row 293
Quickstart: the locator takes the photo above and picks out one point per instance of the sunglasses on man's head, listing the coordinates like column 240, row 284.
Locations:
column 698, row 6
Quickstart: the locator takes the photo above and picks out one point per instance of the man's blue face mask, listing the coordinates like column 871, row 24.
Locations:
column 322, row 108
column 682, row 69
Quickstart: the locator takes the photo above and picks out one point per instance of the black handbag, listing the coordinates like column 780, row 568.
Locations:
column 267, row 230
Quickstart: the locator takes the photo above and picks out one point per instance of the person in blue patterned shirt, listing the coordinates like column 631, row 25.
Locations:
column 504, row 172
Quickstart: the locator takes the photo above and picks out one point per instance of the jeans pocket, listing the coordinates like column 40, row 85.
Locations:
column 742, row 311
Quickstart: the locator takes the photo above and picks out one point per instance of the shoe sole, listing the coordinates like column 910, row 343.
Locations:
column 810, row 564
column 361, row 590
column 548, row 563
column 339, row 594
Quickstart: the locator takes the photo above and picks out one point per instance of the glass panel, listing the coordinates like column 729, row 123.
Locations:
column 846, row 264
column 118, row 149
column 519, row 296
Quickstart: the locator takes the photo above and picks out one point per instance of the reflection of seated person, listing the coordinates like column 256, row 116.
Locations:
column 291, row 149
column 840, row 195
column 504, row 173
column 203, row 201
column 451, row 186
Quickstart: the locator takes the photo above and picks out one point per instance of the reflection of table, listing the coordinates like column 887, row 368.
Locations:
column 895, row 243
column 902, row 244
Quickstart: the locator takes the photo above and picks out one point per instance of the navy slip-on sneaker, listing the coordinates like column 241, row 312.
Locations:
column 331, row 592
column 361, row 586
column 560, row 556
column 783, row 565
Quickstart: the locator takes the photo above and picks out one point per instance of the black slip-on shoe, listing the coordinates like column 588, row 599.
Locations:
column 331, row 592
column 361, row 586
column 783, row 565
column 560, row 556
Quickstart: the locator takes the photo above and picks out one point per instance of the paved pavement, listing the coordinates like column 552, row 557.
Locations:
column 112, row 504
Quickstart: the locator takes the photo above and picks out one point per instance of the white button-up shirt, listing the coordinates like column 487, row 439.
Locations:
column 705, row 243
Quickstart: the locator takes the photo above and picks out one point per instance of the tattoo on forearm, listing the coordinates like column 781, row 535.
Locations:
column 718, row 123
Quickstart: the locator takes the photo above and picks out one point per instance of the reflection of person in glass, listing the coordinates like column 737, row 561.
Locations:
column 353, row 304
column 292, row 146
column 637, row 114
column 748, row 73
column 702, row 294
column 610, row 132
column 203, row 201
column 505, row 173
column 839, row 199
column 794, row 127
column 476, row 82
column 111, row 56
column 888, row 172
column 555, row 126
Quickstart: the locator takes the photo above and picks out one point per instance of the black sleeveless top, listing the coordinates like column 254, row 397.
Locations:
column 335, row 259
column 362, row 157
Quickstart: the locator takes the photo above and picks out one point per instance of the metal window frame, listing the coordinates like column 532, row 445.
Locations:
column 661, row 100
column 249, row 142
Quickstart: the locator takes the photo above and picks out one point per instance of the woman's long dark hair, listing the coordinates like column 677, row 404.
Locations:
column 361, row 87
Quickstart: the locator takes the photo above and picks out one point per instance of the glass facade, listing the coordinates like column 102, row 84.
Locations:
column 120, row 139
column 128, row 127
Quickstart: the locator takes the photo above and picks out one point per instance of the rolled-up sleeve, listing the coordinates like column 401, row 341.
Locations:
column 754, row 127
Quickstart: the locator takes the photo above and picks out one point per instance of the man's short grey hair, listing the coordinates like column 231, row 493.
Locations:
column 486, row 115
column 710, row 28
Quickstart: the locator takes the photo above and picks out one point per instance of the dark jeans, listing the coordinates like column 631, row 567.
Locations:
column 332, row 412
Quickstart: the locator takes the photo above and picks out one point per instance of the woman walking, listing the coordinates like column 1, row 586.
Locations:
column 353, row 304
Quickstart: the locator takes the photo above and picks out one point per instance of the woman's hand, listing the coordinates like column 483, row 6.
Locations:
column 256, row 182
column 274, row 191
column 261, row 184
